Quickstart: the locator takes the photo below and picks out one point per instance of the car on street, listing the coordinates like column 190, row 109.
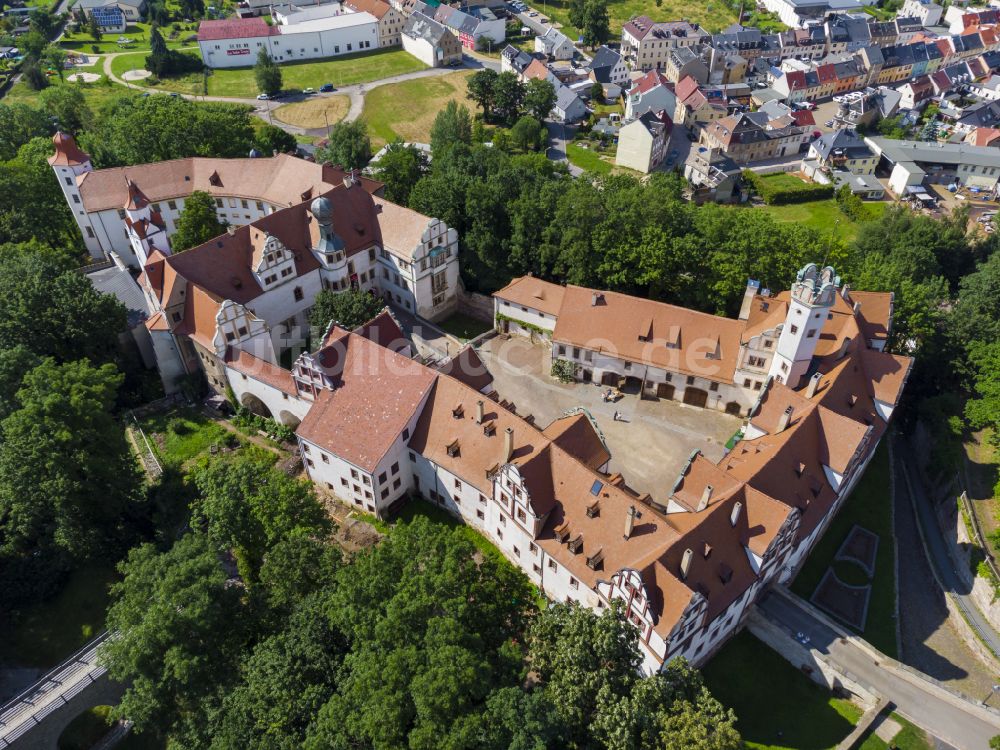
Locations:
column 828, row 123
column 326, row 88
column 533, row 13
column 308, row 91
column 263, row 97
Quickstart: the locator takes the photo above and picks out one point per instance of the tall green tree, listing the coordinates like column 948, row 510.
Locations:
column 539, row 98
column 248, row 506
column 55, row 57
column 983, row 409
column 46, row 217
column 508, row 97
column 46, row 305
column 198, row 222
column 182, row 630
column 400, row 168
column 94, row 28
column 267, row 73
column 19, row 123
column 452, row 125
column 271, row 138
column 158, row 60
column 348, row 145
column 528, row 134
column 596, row 28
column 67, row 476
column 68, row 106
column 481, row 86
column 348, row 309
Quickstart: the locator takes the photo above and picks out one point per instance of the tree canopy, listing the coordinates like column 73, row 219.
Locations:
column 197, row 223
column 267, row 73
column 348, row 145
column 348, row 309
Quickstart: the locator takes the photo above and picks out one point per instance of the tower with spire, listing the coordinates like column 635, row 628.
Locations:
column 813, row 295
column 146, row 228
column 69, row 162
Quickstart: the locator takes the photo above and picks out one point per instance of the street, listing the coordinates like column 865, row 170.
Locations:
column 960, row 723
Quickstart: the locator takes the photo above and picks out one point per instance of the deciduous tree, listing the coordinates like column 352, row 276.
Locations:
column 400, row 168
column 267, row 73
column 198, row 222
column 348, row 309
column 539, row 98
column 348, row 145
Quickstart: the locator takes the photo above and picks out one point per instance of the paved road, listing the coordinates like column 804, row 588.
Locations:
column 559, row 136
column 957, row 722
column 951, row 581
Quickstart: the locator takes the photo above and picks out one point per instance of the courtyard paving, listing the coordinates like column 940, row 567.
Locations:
column 649, row 446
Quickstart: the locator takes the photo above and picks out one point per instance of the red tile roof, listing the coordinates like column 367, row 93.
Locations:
column 235, row 28
column 67, row 154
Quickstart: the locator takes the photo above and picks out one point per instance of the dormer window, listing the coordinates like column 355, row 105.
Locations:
column 458, row 411
column 452, row 448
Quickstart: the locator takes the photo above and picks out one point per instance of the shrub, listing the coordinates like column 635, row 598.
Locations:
column 776, row 191
column 178, row 426
column 563, row 370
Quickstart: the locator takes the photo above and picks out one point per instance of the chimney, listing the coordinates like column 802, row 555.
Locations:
column 706, row 495
column 479, row 411
column 231, row 229
column 812, row 385
column 508, row 444
column 686, row 563
column 753, row 287
column 786, row 417
column 593, row 299
column 857, row 307
column 734, row 516
column 629, row 521
column 845, row 292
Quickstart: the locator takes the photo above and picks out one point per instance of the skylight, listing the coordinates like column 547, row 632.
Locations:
column 595, row 488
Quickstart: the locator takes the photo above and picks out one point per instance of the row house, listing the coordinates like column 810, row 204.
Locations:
column 697, row 106
column 804, row 44
column 652, row 92
column 646, row 44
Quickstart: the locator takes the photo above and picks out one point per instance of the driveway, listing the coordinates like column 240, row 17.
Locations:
column 559, row 136
column 958, row 722
column 649, row 447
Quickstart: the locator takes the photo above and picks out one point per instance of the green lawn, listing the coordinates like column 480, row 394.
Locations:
column 778, row 707
column 138, row 33
column 587, row 159
column 43, row 634
column 910, row 737
column 407, row 110
column 868, row 506
column 823, row 216
column 464, row 327
column 341, row 71
column 191, row 83
column 714, row 15
column 179, row 435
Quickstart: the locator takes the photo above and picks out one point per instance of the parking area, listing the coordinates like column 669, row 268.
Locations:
column 649, row 444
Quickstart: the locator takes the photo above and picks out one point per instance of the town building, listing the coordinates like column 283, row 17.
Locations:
column 113, row 16
column 751, row 136
column 798, row 13
column 478, row 26
column 608, row 68
column 926, row 11
column 554, row 44
column 319, row 31
column 843, row 150
column 683, row 62
column 390, row 20
column 430, row 42
column 917, row 163
column 650, row 92
column 713, row 176
column 646, row 44
column 642, row 142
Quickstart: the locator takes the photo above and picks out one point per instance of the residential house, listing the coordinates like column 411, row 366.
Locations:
column 642, row 142
column 608, row 68
column 554, row 44
column 916, row 163
column 430, row 42
column 986, row 89
column 713, row 176
column 984, row 137
column 646, row 45
column 914, row 94
column 112, row 16
column 569, row 106
column 683, row 62
column 651, row 92
column 843, row 150
column 697, row 106
column 747, row 137
column 926, row 11
column 390, row 20
column 799, row 13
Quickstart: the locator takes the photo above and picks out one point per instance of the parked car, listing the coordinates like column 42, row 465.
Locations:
column 326, row 88
column 263, row 97
column 828, row 123
column 308, row 91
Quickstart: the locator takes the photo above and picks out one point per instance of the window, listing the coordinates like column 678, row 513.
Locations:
column 552, row 564
column 795, row 329
column 537, row 568
column 517, row 552
column 458, row 484
column 367, row 480
column 521, row 516
column 297, row 294
column 406, row 434
column 499, row 534
column 382, row 477
column 573, row 583
column 385, row 493
column 810, row 333
column 395, row 468
column 90, row 233
column 768, row 344
column 503, row 520
column 354, row 473
column 757, row 385
column 713, row 386
column 413, row 458
column 176, row 317
column 690, row 379
column 532, row 548
column 310, row 462
column 746, row 382
column 480, row 515
column 343, row 482
column 395, row 485
column 326, row 458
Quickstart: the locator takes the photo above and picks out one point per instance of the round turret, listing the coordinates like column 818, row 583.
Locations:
column 322, row 209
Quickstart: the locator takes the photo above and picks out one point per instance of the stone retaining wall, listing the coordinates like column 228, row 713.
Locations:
column 475, row 305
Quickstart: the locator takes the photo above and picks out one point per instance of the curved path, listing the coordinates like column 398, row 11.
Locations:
column 356, row 92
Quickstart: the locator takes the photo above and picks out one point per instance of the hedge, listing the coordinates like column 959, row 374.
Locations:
column 777, row 192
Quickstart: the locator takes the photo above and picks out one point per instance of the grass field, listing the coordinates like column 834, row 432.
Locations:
column 179, row 435
column 407, row 110
column 314, row 113
column 44, row 634
column 712, row 14
column 463, row 327
column 138, row 33
column 778, row 707
column 869, row 505
column 823, row 216
column 587, row 159
column 191, row 83
column 342, row 71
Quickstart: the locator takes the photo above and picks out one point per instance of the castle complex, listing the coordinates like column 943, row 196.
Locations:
column 806, row 368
